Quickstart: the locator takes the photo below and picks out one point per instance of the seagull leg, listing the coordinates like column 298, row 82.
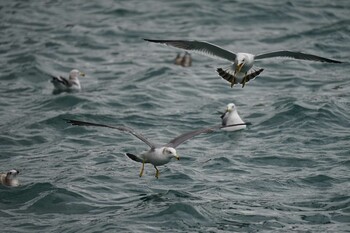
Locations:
column 233, row 81
column 244, row 80
column 142, row 168
column 157, row 172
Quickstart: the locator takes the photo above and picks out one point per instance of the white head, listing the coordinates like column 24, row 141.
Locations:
column 74, row 74
column 10, row 178
column 243, row 62
column 170, row 152
column 12, row 174
column 231, row 107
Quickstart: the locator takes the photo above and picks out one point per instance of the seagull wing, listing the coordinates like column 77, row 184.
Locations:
column 199, row 46
column 61, row 80
column 186, row 136
column 229, row 126
column 121, row 128
column 223, row 114
column 295, row 55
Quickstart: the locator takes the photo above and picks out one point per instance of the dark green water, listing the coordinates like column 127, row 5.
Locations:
column 288, row 172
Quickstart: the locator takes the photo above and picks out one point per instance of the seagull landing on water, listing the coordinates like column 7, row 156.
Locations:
column 70, row 84
column 231, row 117
column 157, row 155
column 9, row 178
column 241, row 71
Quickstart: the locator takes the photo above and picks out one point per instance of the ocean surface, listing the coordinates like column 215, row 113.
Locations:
column 287, row 172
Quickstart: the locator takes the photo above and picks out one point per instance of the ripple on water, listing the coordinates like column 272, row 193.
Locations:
column 287, row 172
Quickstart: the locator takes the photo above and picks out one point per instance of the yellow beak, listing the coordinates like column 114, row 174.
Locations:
column 239, row 67
column 82, row 74
column 177, row 157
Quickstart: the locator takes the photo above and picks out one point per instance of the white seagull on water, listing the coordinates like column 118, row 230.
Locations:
column 9, row 178
column 231, row 117
column 71, row 84
column 242, row 62
column 157, row 155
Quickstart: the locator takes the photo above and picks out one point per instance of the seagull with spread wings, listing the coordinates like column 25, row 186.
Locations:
column 156, row 155
column 241, row 71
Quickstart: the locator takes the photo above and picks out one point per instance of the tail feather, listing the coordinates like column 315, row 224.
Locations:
column 134, row 157
column 231, row 78
column 225, row 74
column 251, row 76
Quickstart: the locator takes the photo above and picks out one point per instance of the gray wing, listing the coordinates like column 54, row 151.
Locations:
column 61, row 80
column 186, row 136
column 199, row 46
column 121, row 128
column 295, row 55
column 229, row 126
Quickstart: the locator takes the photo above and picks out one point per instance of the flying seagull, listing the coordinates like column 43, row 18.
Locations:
column 156, row 155
column 71, row 84
column 9, row 178
column 241, row 70
column 231, row 117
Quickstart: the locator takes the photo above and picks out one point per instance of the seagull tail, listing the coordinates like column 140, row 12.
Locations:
column 251, row 76
column 227, row 75
column 134, row 157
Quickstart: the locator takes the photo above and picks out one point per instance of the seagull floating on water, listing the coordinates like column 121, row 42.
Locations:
column 241, row 71
column 185, row 60
column 9, row 178
column 231, row 117
column 70, row 84
column 157, row 155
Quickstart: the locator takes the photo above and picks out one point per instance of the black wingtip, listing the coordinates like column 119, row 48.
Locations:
column 155, row 41
column 66, row 120
column 133, row 157
column 72, row 122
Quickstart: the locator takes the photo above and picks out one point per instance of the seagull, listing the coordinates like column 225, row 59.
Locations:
column 231, row 117
column 156, row 155
column 178, row 59
column 241, row 71
column 9, row 178
column 70, row 84
column 184, row 61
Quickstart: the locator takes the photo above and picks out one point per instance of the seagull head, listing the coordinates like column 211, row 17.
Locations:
column 75, row 74
column 12, row 174
column 170, row 152
column 231, row 107
column 243, row 62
